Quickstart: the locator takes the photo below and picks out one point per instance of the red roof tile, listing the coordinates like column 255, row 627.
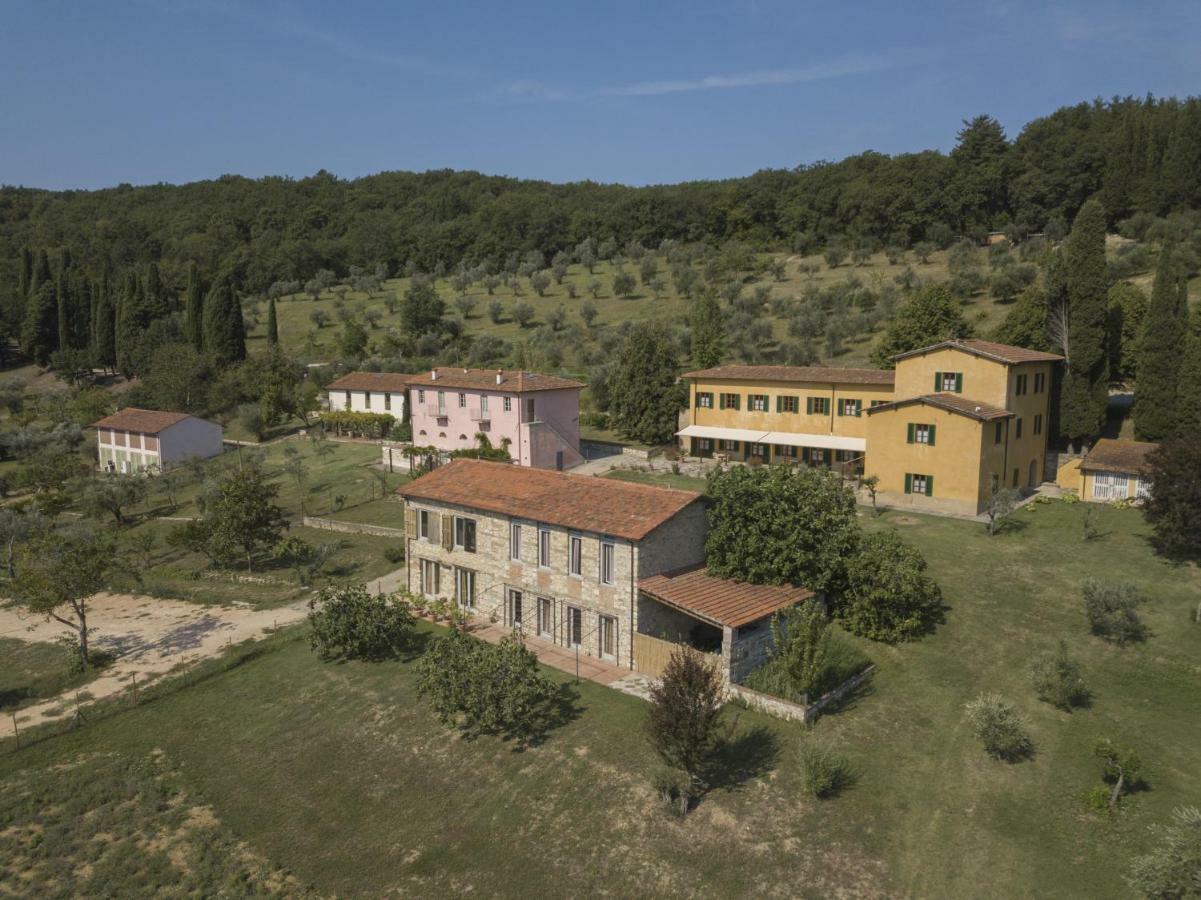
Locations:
column 1108, row 455
column 820, row 374
column 953, row 403
column 146, row 421
column 392, row 382
column 1005, row 353
column 721, row 601
column 600, row 505
column 511, row 380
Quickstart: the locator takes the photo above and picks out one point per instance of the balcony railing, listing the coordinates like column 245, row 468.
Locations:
column 433, row 410
column 481, row 415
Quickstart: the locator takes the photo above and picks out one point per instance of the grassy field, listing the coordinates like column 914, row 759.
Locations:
column 30, row 672
column 261, row 748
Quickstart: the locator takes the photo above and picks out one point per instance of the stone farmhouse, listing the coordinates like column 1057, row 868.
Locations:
column 610, row 568
column 950, row 425
column 139, row 440
column 375, row 392
column 536, row 417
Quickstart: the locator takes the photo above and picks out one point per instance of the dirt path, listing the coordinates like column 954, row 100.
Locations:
column 149, row 636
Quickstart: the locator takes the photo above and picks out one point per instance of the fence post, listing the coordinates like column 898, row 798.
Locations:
column 16, row 731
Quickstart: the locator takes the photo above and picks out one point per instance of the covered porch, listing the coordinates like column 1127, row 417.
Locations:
column 728, row 619
column 831, row 451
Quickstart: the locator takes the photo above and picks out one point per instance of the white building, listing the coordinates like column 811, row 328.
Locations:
column 375, row 392
column 135, row 440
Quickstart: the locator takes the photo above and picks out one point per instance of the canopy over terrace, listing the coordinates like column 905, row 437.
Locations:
column 815, row 449
column 733, row 610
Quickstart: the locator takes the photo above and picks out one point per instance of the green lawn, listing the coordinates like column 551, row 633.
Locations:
column 30, row 672
column 339, row 774
column 662, row 479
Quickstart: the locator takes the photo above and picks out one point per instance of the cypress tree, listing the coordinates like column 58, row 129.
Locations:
column 133, row 317
column 41, row 271
column 1084, row 393
column 104, row 337
column 39, row 332
column 224, row 333
column 1160, row 354
column 65, row 301
column 24, row 272
column 1189, row 395
column 155, row 293
column 81, row 313
column 194, row 313
column 272, row 324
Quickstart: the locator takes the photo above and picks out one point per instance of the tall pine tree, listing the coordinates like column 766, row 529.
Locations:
column 194, row 312
column 66, row 302
column 104, row 326
column 1189, row 396
column 24, row 273
column 224, row 333
column 39, row 331
column 708, row 331
column 1160, row 353
column 272, row 325
column 134, row 315
column 1084, row 393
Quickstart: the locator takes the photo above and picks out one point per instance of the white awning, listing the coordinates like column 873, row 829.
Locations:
column 821, row 441
column 723, row 434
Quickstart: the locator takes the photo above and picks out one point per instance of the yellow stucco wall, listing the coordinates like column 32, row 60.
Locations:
column 1086, row 487
column 799, row 422
column 983, row 379
column 1069, row 477
column 963, row 460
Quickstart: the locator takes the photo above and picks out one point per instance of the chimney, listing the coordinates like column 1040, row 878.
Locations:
column 433, row 374
column 499, row 377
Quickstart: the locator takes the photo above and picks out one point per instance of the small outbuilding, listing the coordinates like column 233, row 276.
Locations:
column 1116, row 470
column 138, row 440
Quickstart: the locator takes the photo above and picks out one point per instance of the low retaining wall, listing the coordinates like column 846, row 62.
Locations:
column 351, row 527
column 786, row 709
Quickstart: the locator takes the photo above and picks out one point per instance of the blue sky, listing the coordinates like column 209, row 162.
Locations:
column 98, row 93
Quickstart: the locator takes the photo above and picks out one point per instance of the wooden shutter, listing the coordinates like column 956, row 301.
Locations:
column 410, row 523
column 779, row 402
column 908, row 483
column 909, row 437
column 721, row 400
column 929, row 485
column 931, row 442
column 937, row 382
column 958, row 382
column 448, row 532
column 809, row 405
column 435, row 524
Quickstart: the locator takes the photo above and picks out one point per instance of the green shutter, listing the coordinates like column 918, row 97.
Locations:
column 937, row 382
column 908, row 483
column 931, row 435
column 929, row 485
column 778, row 399
column 958, row 382
column 909, row 437
column 809, row 405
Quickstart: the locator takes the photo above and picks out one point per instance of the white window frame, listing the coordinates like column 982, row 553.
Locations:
column 1142, row 487
column 462, row 401
column 917, row 484
column 921, row 434
column 949, row 381
column 421, row 396
column 430, row 567
column 607, row 563
column 575, row 556
column 704, row 400
column 545, row 624
column 544, row 547
column 574, row 635
column 465, row 585
column 758, row 403
column 441, row 403
column 423, row 524
column 484, row 405
column 508, row 404
column 1111, row 486
column 461, row 545
column 515, row 541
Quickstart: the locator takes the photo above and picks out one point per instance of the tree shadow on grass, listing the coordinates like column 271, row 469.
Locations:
column 741, row 756
column 851, row 699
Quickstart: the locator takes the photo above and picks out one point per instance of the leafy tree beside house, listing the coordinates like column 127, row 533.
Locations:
column 932, row 315
column 889, row 597
column 645, row 396
column 1174, row 507
column 708, row 331
column 1161, row 350
column 1084, row 392
column 773, row 525
column 239, row 521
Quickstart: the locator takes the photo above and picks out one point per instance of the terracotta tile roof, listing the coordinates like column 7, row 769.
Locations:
column 1005, row 353
column 392, row 382
column 1108, row 455
column 511, row 380
column 797, row 373
column 720, row 601
column 147, row 421
column 953, row 403
column 600, row 505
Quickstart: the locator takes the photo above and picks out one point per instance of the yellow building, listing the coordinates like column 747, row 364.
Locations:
column 798, row 414
column 954, row 422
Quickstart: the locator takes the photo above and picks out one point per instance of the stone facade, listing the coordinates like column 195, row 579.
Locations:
column 545, row 599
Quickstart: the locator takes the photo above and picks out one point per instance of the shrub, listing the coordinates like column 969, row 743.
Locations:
column 1173, row 867
column 684, row 709
column 842, row 661
column 395, row 554
column 486, row 688
column 889, row 596
column 1121, row 768
column 350, row 622
column 824, row 773
column 674, row 788
column 999, row 728
column 1111, row 611
column 1057, row 680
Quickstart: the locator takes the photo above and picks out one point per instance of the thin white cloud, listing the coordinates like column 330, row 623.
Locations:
column 839, row 68
column 836, row 68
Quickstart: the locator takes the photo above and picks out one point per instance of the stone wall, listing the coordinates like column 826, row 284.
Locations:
column 786, row 709
column 353, row 527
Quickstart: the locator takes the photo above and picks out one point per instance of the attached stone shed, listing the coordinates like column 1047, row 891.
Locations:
column 730, row 619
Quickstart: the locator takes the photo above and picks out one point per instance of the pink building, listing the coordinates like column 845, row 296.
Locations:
column 538, row 414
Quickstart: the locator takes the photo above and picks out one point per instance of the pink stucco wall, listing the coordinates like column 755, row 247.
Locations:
column 559, row 410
